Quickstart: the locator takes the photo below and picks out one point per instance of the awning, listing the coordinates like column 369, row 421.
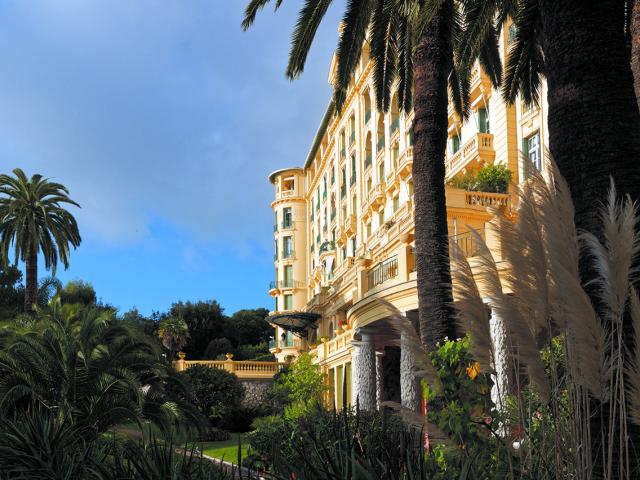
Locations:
column 295, row 322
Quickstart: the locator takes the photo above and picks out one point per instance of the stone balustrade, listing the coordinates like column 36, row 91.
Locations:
column 487, row 199
column 244, row 369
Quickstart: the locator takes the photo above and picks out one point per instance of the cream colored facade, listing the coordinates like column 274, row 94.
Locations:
column 348, row 214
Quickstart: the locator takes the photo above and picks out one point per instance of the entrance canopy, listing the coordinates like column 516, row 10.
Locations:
column 295, row 322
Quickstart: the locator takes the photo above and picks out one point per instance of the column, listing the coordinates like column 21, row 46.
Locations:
column 363, row 360
column 379, row 379
column 501, row 361
column 409, row 385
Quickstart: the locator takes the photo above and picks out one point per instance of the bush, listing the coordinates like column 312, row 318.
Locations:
column 213, row 434
column 214, row 392
column 492, row 178
column 301, row 384
column 78, row 291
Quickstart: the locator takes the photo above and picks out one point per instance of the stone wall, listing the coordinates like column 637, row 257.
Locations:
column 255, row 391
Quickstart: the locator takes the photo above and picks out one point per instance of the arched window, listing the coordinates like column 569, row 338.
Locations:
column 395, row 116
column 380, row 134
column 367, row 107
column 368, row 151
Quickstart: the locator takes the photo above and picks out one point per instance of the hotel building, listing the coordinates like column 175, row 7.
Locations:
column 344, row 228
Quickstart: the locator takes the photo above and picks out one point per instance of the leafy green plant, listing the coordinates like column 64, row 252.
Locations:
column 300, row 387
column 490, row 178
column 173, row 332
column 214, row 392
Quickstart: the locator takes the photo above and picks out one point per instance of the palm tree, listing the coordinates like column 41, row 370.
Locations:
column 33, row 220
column 413, row 42
column 173, row 333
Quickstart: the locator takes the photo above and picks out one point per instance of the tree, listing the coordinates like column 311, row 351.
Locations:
column 250, row 327
column 173, row 332
column 412, row 41
column 11, row 291
column 78, row 291
column 205, row 320
column 33, row 219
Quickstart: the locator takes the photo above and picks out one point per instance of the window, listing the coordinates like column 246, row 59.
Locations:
column 288, row 276
column 287, row 218
column 276, row 306
column 344, row 253
column 288, row 302
column 275, row 225
column 455, row 143
column 353, row 169
column 396, row 203
column 287, row 247
column 275, row 256
column 483, row 120
column 531, row 150
column 353, row 246
column 381, row 172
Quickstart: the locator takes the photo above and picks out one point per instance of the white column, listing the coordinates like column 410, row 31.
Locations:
column 379, row 379
column 363, row 371
column 501, row 361
column 409, row 385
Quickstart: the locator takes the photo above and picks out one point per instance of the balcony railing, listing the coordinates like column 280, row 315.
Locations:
column 286, row 254
column 327, row 246
column 382, row 272
column 286, row 225
column 487, row 199
column 466, row 243
column 290, row 283
column 480, row 147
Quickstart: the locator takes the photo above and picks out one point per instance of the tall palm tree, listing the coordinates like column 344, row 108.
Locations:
column 33, row 220
column 412, row 42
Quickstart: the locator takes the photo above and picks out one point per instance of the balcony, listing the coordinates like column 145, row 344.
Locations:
column 277, row 285
column 327, row 247
column 286, row 225
column 478, row 150
column 350, row 225
column 487, row 199
column 382, row 272
column 479, row 83
column 286, row 194
column 376, row 197
column 405, row 164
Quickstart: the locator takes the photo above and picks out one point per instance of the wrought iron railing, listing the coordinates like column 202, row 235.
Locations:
column 327, row 246
column 382, row 272
column 287, row 283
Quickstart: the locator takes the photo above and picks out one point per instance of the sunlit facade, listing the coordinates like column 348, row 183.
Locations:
column 344, row 228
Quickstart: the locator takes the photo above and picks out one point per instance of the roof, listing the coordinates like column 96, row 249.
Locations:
column 317, row 140
column 295, row 322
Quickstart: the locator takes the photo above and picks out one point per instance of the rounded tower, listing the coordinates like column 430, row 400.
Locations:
column 290, row 246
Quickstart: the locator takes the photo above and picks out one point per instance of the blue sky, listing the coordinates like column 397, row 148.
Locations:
column 164, row 119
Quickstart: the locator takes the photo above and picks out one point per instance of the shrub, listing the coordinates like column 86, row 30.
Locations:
column 491, row 178
column 241, row 417
column 78, row 291
column 214, row 392
column 301, row 384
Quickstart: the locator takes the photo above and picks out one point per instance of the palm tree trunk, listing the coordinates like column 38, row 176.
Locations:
column 594, row 133
column 31, row 288
column 635, row 47
column 432, row 64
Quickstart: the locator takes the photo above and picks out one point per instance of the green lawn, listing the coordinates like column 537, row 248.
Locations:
column 227, row 449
